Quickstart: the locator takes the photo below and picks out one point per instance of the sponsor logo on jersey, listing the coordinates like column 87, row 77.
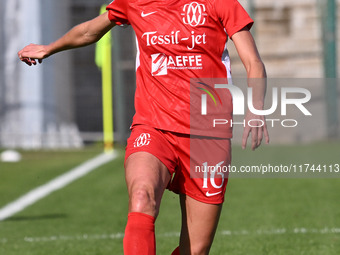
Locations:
column 159, row 64
column 147, row 14
column 174, row 37
column 162, row 63
column 208, row 194
column 194, row 14
column 142, row 140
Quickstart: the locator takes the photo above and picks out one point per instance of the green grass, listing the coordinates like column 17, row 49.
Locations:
column 37, row 168
column 89, row 216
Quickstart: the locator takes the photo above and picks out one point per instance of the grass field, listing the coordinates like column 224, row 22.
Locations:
column 261, row 215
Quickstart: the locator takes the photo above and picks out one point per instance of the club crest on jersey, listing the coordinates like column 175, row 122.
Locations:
column 194, row 14
column 142, row 140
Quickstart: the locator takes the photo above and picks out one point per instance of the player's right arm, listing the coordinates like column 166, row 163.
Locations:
column 81, row 35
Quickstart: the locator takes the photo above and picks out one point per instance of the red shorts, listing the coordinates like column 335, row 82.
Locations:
column 198, row 165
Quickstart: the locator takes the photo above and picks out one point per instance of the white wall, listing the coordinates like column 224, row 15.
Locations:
column 36, row 101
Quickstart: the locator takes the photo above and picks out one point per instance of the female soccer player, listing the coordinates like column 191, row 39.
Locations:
column 181, row 50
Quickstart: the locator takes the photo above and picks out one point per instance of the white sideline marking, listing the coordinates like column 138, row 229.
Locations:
column 281, row 231
column 55, row 184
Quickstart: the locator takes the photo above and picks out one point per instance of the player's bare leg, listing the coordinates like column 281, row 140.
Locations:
column 199, row 223
column 146, row 178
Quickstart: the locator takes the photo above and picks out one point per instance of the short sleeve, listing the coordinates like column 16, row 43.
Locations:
column 233, row 16
column 118, row 11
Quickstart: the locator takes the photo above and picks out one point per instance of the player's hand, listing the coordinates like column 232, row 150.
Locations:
column 33, row 54
column 258, row 130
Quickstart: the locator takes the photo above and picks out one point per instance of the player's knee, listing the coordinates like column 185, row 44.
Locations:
column 142, row 200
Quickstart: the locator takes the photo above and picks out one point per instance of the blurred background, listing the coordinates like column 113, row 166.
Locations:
column 59, row 104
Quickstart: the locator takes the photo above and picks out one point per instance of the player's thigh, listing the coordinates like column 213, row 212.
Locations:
column 199, row 223
column 146, row 177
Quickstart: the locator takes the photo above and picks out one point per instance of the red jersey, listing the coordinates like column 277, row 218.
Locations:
column 178, row 40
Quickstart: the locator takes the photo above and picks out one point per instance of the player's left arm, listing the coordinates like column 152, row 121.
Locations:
column 256, row 74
